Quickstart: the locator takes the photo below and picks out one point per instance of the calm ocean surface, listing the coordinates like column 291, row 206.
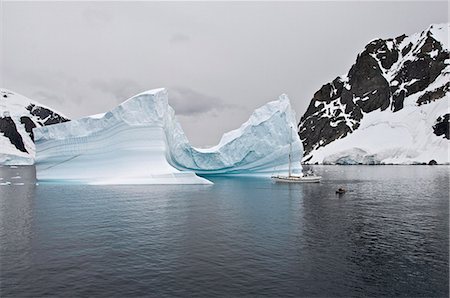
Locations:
column 387, row 236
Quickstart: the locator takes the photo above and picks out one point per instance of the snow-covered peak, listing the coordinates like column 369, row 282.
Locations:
column 18, row 116
column 15, row 103
column 405, row 81
column 440, row 33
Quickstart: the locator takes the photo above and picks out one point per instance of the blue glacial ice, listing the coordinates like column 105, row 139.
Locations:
column 141, row 142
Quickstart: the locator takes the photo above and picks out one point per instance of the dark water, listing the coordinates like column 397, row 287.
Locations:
column 387, row 236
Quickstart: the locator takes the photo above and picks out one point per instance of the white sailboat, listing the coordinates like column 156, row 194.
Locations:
column 309, row 177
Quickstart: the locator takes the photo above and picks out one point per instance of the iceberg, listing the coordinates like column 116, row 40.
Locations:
column 141, row 142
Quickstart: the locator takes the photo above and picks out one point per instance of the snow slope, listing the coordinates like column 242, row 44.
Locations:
column 407, row 138
column 18, row 116
column 141, row 142
column 391, row 108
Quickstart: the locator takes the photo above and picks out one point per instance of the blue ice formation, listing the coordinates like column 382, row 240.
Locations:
column 141, row 142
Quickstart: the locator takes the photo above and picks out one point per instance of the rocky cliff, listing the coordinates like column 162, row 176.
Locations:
column 18, row 116
column 391, row 106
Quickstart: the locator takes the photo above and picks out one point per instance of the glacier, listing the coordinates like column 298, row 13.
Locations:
column 141, row 142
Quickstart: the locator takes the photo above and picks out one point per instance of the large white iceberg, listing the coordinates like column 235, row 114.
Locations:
column 141, row 142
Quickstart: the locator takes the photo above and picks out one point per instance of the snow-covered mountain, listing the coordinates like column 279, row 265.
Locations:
column 18, row 116
column 391, row 107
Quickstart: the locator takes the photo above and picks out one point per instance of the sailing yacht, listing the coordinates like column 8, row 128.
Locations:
column 308, row 177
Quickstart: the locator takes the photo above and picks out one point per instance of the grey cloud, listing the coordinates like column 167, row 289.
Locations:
column 47, row 96
column 43, row 77
column 95, row 54
column 179, row 38
column 119, row 89
column 96, row 16
column 187, row 101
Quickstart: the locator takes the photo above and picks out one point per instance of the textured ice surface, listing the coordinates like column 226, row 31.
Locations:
column 141, row 142
column 259, row 147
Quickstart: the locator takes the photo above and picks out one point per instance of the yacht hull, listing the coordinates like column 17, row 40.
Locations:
column 296, row 179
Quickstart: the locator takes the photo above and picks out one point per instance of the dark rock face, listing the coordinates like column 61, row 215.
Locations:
column 30, row 116
column 385, row 73
column 430, row 96
column 29, row 125
column 49, row 116
column 9, row 130
column 320, row 128
column 365, row 77
column 441, row 128
column 419, row 73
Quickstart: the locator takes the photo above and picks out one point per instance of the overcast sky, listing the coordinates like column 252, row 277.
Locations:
column 218, row 60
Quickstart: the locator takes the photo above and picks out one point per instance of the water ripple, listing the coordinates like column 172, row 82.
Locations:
column 387, row 236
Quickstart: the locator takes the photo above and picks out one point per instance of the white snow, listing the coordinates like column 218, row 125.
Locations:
column 434, row 53
column 141, row 142
column 403, row 137
column 97, row 116
column 345, row 79
column 10, row 155
column 14, row 106
column 440, row 32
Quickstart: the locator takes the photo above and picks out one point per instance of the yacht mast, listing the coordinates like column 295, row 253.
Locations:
column 290, row 152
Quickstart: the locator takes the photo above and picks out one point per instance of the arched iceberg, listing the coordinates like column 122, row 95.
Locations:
column 141, row 142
